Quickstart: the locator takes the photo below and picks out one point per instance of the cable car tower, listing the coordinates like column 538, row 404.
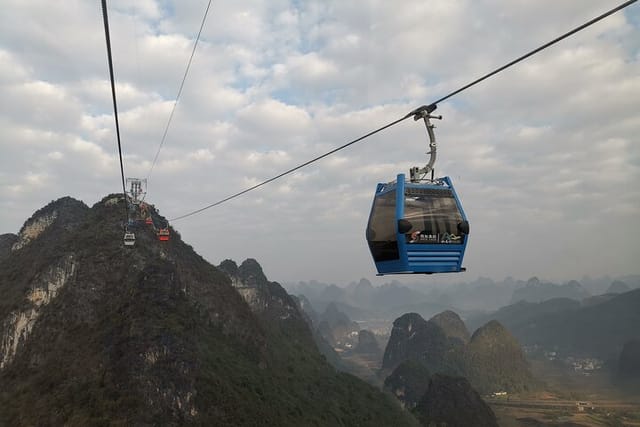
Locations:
column 137, row 190
column 135, row 195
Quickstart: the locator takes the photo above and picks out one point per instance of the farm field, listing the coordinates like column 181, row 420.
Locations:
column 569, row 399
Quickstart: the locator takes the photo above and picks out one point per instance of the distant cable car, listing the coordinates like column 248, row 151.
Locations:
column 418, row 226
column 163, row 234
column 148, row 221
column 129, row 238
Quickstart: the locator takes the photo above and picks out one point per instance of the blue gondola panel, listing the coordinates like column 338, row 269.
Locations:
column 434, row 226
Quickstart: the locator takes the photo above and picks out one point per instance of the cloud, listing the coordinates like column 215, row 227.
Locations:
column 544, row 155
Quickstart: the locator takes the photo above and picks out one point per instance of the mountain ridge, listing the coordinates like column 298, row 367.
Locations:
column 93, row 333
column 491, row 358
column 598, row 327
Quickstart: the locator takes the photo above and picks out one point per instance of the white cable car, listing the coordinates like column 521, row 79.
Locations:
column 129, row 238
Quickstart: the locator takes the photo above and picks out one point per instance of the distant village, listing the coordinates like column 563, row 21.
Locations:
column 581, row 365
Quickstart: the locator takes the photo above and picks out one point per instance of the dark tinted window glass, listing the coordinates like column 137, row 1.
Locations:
column 434, row 216
column 381, row 232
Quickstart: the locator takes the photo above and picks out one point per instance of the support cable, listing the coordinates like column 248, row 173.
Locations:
column 418, row 112
column 175, row 103
column 115, row 104
column 544, row 46
column 292, row 169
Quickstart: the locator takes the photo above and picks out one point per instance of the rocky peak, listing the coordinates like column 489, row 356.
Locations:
column 78, row 304
column 404, row 328
column 495, row 360
column 452, row 325
column 251, row 273
column 268, row 299
column 451, row 401
column 408, row 382
column 364, row 286
column 367, row 343
column 332, row 293
column 492, row 359
column 44, row 288
column 335, row 317
column 533, row 282
column 407, row 323
column 538, row 291
column 493, row 330
column 438, row 342
column 154, row 335
column 229, row 267
column 573, row 284
column 335, row 326
column 249, row 281
column 618, row 287
column 70, row 210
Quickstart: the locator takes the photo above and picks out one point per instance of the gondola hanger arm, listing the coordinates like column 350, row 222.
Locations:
column 416, row 174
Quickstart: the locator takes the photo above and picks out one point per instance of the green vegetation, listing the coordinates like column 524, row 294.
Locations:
column 491, row 360
column 408, row 382
column 494, row 361
column 599, row 329
column 450, row 401
column 154, row 335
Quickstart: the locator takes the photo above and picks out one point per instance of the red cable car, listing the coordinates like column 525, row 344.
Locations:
column 148, row 221
column 163, row 234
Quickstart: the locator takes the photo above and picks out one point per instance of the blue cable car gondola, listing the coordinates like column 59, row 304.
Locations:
column 418, row 226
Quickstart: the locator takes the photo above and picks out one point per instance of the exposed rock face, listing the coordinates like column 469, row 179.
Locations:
column 408, row 383
column 402, row 339
column 33, row 228
column 264, row 297
column 19, row 324
column 35, row 274
column 97, row 333
column 275, row 308
column 495, row 361
column 367, row 343
column 452, row 402
column 72, row 212
column 85, row 313
column 413, row 338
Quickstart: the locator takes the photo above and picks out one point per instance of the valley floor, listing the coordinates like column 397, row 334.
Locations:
column 536, row 412
column 570, row 399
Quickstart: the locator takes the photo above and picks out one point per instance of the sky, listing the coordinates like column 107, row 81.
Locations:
column 545, row 156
